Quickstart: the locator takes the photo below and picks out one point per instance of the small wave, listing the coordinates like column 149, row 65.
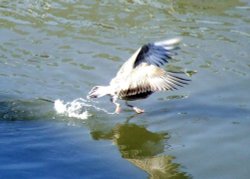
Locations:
column 77, row 108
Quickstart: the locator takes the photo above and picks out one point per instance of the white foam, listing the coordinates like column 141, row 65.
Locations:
column 75, row 109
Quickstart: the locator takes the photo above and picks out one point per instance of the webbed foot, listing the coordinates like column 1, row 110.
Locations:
column 138, row 110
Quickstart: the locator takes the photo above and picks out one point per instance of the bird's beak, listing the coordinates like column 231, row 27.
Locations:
column 91, row 96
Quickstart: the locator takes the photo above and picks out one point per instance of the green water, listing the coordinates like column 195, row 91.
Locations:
column 60, row 49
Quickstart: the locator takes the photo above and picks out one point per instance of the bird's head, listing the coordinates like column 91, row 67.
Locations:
column 98, row 91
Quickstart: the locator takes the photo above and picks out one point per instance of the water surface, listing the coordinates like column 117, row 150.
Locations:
column 60, row 49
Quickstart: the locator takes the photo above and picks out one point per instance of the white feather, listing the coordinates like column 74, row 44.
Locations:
column 169, row 42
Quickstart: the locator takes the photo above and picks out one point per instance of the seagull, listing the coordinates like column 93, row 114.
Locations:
column 141, row 75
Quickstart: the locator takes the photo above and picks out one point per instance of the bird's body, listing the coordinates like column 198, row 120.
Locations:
column 141, row 75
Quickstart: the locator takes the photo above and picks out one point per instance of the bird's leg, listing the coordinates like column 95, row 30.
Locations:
column 118, row 106
column 136, row 109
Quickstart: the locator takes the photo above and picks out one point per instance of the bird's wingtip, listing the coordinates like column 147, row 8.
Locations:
column 168, row 42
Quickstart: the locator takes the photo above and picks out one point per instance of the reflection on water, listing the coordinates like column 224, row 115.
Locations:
column 160, row 167
column 58, row 49
column 144, row 149
column 139, row 142
column 138, row 145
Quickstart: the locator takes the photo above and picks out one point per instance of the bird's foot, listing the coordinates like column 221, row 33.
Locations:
column 118, row 110
column 138, row 110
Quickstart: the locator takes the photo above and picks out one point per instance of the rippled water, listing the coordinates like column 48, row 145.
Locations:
column 60, row 49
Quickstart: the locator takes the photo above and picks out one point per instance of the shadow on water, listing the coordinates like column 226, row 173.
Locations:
column 143, row 148
column 23, row 109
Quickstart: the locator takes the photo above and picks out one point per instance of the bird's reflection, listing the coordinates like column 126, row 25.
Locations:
column 136, row 142
column 143, row 148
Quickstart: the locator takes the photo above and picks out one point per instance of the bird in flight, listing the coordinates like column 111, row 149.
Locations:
column 141, row 75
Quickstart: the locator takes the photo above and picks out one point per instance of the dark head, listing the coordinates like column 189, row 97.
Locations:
column 98, row 91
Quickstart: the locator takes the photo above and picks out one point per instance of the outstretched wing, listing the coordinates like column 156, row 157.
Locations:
column 156, row 53
column 142, row 72
column 149, row 78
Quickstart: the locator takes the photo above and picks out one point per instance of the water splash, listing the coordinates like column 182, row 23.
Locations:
column 77, row 108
